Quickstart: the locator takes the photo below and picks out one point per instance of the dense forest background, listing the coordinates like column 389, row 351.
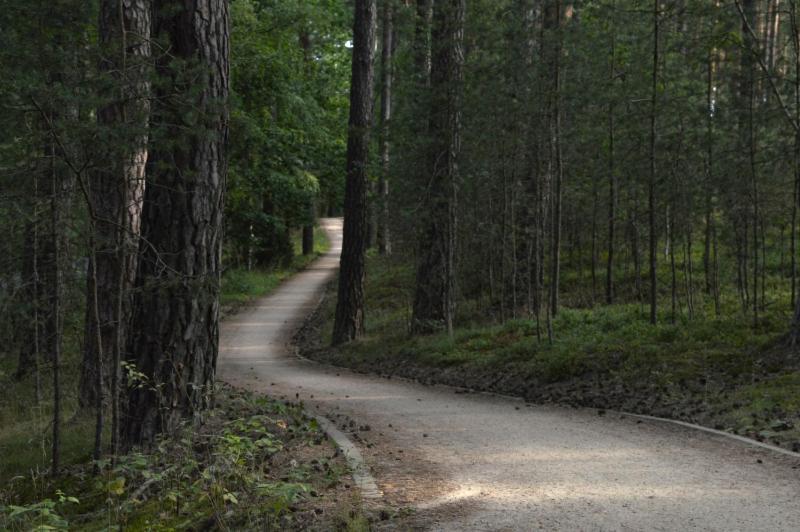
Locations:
column 603, row 177
column 622, row 152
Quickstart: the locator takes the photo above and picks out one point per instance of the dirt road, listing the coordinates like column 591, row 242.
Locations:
column 478, row 462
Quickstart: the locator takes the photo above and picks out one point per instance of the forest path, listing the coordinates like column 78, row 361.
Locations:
column 478, row 462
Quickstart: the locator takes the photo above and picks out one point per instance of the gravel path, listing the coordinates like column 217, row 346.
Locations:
column 476, row 462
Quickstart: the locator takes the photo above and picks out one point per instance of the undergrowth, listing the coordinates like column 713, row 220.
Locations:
column 722, row 371
column 254, row 464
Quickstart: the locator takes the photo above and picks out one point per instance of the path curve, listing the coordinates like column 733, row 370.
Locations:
column 479, row 462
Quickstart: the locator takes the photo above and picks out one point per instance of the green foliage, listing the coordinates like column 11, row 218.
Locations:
column 290, row 79
column 250, row 466
column 240, row 286
column 39, row 516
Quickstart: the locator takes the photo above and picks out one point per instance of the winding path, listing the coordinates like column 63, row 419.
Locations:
column 479, row 462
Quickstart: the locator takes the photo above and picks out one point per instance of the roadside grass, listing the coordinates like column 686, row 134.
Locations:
column 240, row 286
column 717, row 371
column 189, row 476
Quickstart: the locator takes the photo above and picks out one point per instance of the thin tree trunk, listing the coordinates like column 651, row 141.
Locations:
column 434, row 302
column 673, row 273
column 387, row 75
column 652, row 182
column 55, row 302
column 635, row 242
column 349, row 320
column 709, row 215
column 594, row 245
column 99, row 392
column 796, row 152
column 37, row 354
column 715, row 254
column 308, row 230
column 612, row 182
column 117, row 187
column 554, row 21
column 422, row 42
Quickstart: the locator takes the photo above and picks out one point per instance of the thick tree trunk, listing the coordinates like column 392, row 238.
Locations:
column 175, row 334
column 117, row 187
column 349, row 321
column 434, row 303
column 387, row 77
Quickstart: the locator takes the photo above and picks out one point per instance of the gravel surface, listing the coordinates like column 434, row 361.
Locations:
column 464, row 461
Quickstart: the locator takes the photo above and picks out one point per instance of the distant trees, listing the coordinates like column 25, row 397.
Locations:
column 658, row 161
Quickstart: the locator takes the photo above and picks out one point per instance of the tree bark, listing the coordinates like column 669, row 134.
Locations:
column 434, row 303
column 308, row 231
column 652, row 181
column 387, row 77
column 349, row 320
column 422, row 41
column 116, row 189
column 55, row 307
column 553, row 21
column 175, row 334
column 612, row 181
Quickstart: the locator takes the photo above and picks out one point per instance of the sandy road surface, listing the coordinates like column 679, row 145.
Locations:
column 478, row 462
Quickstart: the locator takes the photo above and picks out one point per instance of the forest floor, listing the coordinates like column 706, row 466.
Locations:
column 714, row 372
column 255, row 463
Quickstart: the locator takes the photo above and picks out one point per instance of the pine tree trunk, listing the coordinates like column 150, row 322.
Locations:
column 612, row 186
column 435, row 278
column 387, row 77
column 117, row 187
column 55, row 309
column 652, row 182
column 308, row 231
column 349, row 320
column 175, row 333
column 422, row 41
column 796, row 150
column 553, row 20
column 38, row 331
